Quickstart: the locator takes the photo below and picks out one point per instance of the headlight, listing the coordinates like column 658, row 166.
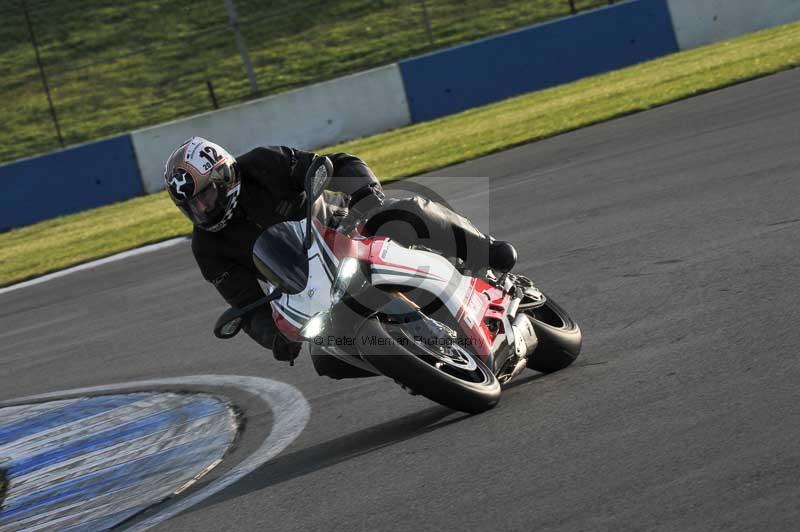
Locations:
column 314, row 326
column 347, row 268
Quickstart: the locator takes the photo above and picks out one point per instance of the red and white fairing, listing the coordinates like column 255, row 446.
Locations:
column 292, row 311
column 470, row 300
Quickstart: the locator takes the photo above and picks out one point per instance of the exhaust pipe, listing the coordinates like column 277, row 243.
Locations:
column 525, row 340
column 525, row 343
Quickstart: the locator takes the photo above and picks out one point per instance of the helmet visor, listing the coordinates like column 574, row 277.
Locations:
column 204, row 208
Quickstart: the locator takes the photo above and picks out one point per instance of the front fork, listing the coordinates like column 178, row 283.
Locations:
column 521, row 340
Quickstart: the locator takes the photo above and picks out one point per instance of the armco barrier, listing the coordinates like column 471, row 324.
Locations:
column 698, row 23
column 534, row 58
column 68, row 181
column 312, row 117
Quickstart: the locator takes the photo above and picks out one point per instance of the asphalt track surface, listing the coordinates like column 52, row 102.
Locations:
column 672, row 237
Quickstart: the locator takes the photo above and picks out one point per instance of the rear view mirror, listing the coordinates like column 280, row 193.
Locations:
column 317, row 177
column 229, row 324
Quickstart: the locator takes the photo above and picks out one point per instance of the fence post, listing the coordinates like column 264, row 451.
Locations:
column 210, row 87
column 242, row 45
column 42, row 74
column 427, row 20
column 572, row 6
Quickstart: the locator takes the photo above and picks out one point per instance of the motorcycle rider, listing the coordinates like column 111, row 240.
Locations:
column 230, row 201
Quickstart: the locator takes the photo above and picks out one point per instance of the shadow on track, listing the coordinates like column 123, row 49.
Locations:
column 330, row 453
column 523, row 380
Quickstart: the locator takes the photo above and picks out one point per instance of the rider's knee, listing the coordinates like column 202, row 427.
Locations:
column 416, row 205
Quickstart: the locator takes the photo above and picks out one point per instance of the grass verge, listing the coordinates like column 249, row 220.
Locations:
column 108, row 76
column 69, row 240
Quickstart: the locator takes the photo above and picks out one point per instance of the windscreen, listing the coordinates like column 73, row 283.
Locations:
column 279, row 255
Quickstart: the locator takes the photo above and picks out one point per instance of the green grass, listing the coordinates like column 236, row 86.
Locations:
column 117, row 66
column 58, row 243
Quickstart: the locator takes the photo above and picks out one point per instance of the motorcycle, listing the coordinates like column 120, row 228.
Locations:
column 404, row 312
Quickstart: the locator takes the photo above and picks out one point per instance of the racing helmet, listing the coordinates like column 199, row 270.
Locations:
column 203, row 180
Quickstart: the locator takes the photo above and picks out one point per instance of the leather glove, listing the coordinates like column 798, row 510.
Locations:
column 260, row 327
column 332, row 210
column 364, row 202
column 285, row 350
column 289, row 208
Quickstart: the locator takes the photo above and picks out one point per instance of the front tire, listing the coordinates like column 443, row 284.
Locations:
column 408, row 363
column 560, row 338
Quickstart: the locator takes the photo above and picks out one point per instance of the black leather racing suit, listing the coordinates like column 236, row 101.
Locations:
column 272, row 192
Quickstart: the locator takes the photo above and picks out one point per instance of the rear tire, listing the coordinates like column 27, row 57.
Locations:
column 404, row 364
column 559, row 336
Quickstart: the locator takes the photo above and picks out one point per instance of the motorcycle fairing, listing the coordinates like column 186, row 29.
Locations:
column 470, row 300
column 391, row 264
column 291, row 312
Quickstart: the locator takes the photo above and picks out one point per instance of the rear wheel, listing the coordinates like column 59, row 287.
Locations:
column 559, row 336
column 436, row 368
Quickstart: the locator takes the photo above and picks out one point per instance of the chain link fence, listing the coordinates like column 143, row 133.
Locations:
column 77, row 70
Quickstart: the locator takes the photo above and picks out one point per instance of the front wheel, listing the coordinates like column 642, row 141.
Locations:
column 559, row 336
column 457, row 378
